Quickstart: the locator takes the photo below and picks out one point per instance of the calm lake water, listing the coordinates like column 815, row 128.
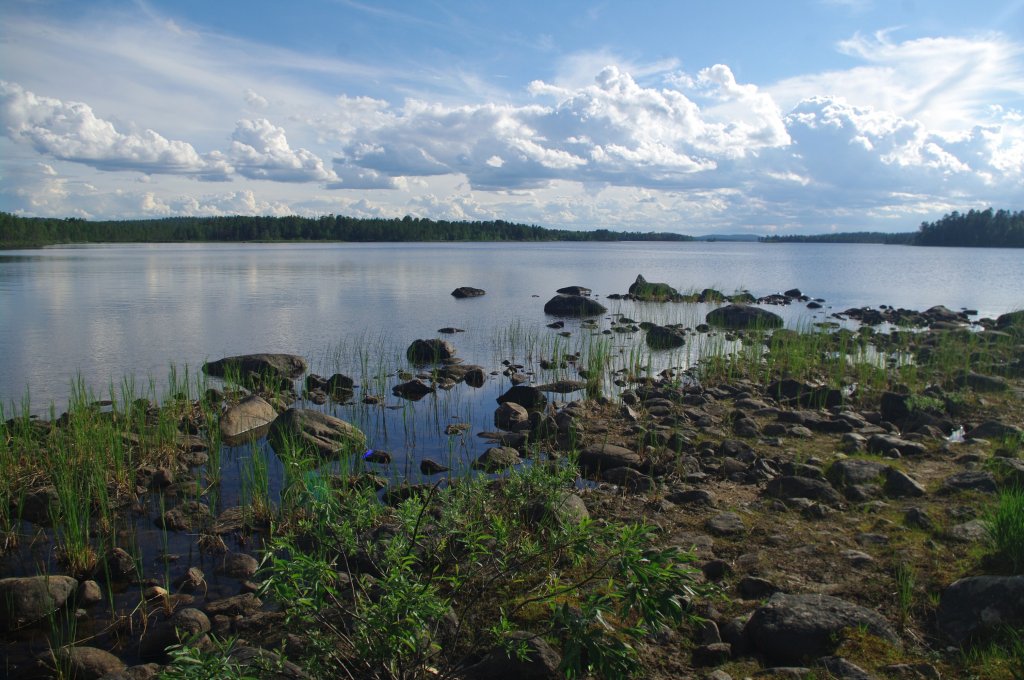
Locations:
column 105, row 312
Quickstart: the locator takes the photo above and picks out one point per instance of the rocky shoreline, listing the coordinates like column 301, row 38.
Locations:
column 837, row 530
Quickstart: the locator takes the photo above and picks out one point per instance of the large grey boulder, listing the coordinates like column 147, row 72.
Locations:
column 314, row 432
column 978, row 604
column 663, row 337
column 497, row 458
column 88, row 663
column 599, row 457
column 467, row 292
column 642, row 289
column 25, row 600
column 251, row 413
column 792, row 628
column 573, row 305
column 524, row 395
column 791, row 486
column 743, row 316
column 287, row 365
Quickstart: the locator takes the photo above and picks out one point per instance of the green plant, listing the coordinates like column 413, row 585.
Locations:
column 905, row 583
column 1006, row 527
column 211, row 661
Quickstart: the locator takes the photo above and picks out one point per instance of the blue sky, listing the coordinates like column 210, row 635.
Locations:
column 696, row 117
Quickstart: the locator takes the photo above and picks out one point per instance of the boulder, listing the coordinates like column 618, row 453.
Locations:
column 564, row 509
column 563, row 386
column 642, row 289
column 899, row 484
column 186, row 516
column 969, row 480
column 789, row 487
column 430, row 351
column 725, row 524
column 250, row 413
column 413, row 390
column 993, row 429
column 497, row 458
column 978, row 604
column 743, row 316
column 511, row 416
column 573, row 305
column 792, row 628
column 663, row 337
column 315, row 432
column 88, row 663
column 883, row 443
column 25, row 600
column 540, row 662
column 981, row 383
column 287, row 365
column 574, row 290
column 524, row 395
column 1010, row 319
column 599, row 457
column 467, row 292
column 855, row 471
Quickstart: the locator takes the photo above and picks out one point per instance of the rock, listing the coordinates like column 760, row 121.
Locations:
column 663, row 337
column 315, row 432
column 540, row 662
column 692, row 497
column 573, row 305
column 789, row 487
column 430, row 467
column 981, row 383
column 88, row 663
column 26, row 600
column 412, row 390
column 245, row 604
column 901, row 485
column 497, row 458
column 725, row 524
column 574, row 290
column 187, row 516
column 883, row 443
column 339, row 384
column 286, row 365
column 599, row 457
column 1009, row 319
column 894, row 407
column 969, row 480
column 974, row 531
column 120, row 565
column 714, row 654
column 261, row 663
column 563, row 386
column 89, row 593
column 467, row 292
column 475, row 377
column 564, row 509
column 431, row 351
column 918, row 519
column 642, row 289
column 524, row 395
column 628, row 478
column 993, row 429
column 239, row 565
column 249, row 414
column 755, row 588
column 842, row 669
column 743, row 316
column 791, row 628
column 973, row 606
column 854, row 472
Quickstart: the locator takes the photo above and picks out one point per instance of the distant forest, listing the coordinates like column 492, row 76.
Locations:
column 973, row 229
column 16, row 231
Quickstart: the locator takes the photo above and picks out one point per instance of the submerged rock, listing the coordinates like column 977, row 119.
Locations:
column 249, row 414
column 467, row 292
column 743, row 316
column 663, row 337
column 315, row 432
column 23, row 601
column 287, row 365
column 431, row 351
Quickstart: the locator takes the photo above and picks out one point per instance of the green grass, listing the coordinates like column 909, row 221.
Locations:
column 1006, row 528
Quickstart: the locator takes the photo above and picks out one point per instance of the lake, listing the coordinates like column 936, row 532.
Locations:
column 108, row 311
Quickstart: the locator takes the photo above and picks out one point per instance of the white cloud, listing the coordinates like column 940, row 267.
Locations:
column 260, row 150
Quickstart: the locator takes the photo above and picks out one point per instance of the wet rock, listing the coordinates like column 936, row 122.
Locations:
column 511, row 416
column 738, row 317
column 475, row 377
column 574, row 290
column 120, row 565
column 245, row 604
column 430, row 351
column 286, row 365
column 978, row 604
column 497, row 458
column 467, row 292
column 563, row 386
column 598, row 457
column 663, row 337
column 250, row 413
column 792, row 628
column 412, row 390
column 431, row 467
column 239, row 565
column 573, row 305
column 88, row 663
column 188, row 516
column 89, row 593
column 315, row 432
column 524, row 395
column 642, row 289
column 26, row 600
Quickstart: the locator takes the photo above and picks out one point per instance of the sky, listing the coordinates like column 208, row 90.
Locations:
column 696, row 117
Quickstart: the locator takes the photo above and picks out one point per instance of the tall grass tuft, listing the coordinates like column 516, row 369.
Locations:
column 1006, row 527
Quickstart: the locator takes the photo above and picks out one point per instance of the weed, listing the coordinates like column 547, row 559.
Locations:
column 1006, row 528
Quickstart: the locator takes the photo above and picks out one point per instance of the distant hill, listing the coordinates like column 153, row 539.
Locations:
column 973, row 229
column 727, row 237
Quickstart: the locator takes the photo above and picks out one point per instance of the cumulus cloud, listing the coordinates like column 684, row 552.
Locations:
column 71, row 131
column 260, row 150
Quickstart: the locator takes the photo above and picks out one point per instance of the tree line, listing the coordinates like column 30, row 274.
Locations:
column 973, row 229
column 17, row 231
